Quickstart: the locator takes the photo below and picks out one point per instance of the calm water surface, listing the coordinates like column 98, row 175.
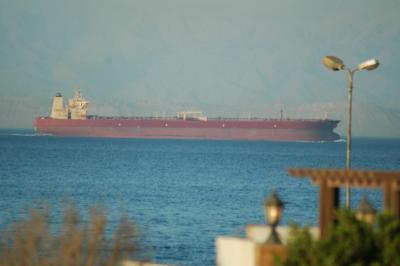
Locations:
column 181, row 193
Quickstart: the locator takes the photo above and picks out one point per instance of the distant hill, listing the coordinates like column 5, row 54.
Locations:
column 367, row 119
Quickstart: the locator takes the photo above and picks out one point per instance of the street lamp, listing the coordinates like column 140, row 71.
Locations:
column 273, row 208
column 365, row 211
column 336, row 64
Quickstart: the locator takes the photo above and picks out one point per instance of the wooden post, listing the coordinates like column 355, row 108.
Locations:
column 265, row 254
column 387, row 197
column 328, row 203
column 395, row 200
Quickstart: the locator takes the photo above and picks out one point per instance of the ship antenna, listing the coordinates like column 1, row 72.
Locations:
column 77, row 92
column 281, row 114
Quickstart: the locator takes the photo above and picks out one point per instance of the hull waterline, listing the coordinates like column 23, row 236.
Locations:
column 268, row 129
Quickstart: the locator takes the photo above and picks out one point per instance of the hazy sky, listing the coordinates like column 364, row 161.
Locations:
column 221, row 53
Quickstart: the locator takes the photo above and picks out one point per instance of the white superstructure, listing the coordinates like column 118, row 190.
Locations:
column 76, row 108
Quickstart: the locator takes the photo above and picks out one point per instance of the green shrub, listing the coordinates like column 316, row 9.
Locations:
column 31, row 241
column 348, row 242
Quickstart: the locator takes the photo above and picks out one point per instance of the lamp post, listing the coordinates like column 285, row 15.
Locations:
column 273, row 208
column 336, row 64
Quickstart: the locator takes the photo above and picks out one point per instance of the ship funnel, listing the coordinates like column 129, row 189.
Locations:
column 58, row 111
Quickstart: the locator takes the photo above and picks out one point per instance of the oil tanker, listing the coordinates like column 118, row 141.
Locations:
column 72, row 120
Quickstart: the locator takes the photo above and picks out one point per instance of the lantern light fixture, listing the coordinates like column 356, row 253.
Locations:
column 273, row 208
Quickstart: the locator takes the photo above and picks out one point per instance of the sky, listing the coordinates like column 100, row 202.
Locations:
column 224, row 57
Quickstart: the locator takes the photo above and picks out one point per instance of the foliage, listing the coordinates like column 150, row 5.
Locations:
column 31, row 241
column 348, row 242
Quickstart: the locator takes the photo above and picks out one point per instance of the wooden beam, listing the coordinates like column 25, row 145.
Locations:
column 328, row 173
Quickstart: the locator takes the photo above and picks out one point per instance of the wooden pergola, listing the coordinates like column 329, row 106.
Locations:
column 330, row 180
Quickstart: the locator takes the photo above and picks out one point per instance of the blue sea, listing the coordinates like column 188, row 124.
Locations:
column 182, row 194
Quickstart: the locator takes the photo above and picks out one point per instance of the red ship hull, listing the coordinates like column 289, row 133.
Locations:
column 224, row 129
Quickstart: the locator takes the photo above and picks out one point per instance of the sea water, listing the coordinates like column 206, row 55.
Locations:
column 182, row 194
